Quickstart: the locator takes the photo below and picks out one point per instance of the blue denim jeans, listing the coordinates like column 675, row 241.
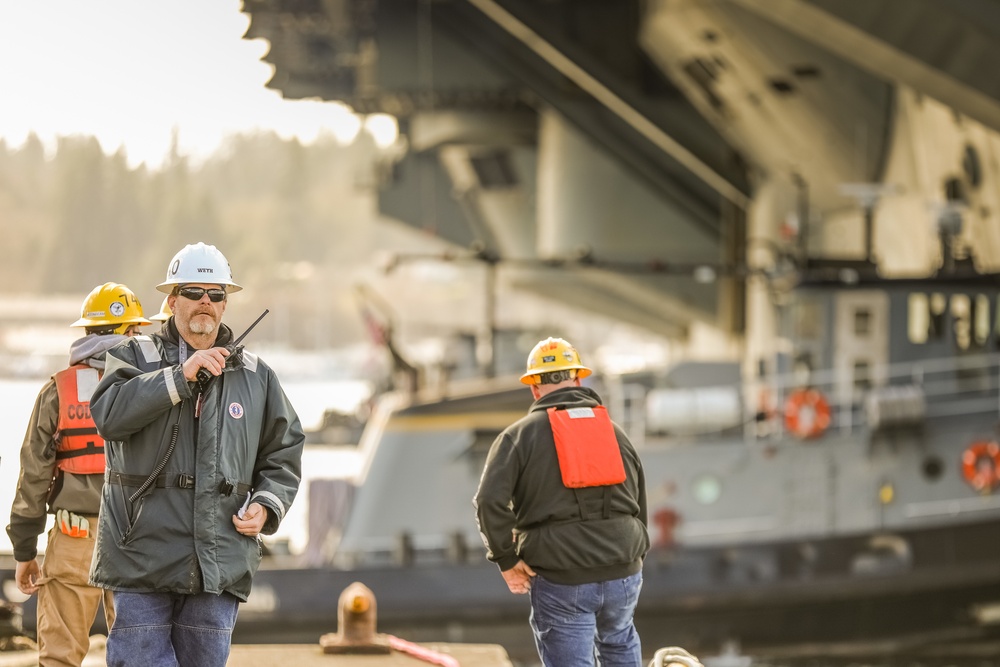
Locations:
column 571, row 623
column 171, row 630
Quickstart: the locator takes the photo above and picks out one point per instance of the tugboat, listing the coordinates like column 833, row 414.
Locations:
column 843, row 492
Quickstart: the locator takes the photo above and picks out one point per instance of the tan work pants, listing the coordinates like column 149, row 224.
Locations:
column 67, row 604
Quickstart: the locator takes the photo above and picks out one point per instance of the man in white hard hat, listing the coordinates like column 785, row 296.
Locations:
column 198, row 469
column 62, row 472
column 561, row 507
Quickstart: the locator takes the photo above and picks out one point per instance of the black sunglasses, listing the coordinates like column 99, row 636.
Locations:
column 215, row 295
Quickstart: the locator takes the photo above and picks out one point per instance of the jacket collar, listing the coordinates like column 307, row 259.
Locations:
column 567, row 397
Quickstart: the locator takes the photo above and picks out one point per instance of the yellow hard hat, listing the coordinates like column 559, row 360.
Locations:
column 165, row 312
column 111, row 304
column 550, row 355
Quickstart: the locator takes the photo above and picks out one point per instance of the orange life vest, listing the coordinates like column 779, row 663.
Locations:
column 586, row 447
column 981, row 465
column 79, row 449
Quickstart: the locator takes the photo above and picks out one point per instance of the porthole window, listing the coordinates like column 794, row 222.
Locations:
column 707, row 489
column 932, row 468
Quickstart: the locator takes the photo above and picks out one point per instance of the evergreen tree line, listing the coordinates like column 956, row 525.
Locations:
column 293, row 220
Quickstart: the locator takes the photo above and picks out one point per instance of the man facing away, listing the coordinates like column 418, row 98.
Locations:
column 198, row 469
column 561, row 507
column 62, row 472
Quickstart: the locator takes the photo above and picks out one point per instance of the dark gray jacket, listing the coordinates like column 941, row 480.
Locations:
column 570, row 536
column 179, row 536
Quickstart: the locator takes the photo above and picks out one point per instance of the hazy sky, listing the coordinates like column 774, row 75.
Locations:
column 129, row 71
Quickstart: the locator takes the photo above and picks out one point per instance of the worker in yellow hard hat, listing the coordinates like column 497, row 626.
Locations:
column 561, row 506
column 62, row 473
column 550, row 356
column 165, row 312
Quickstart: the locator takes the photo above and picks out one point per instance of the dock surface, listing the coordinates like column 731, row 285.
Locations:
column 467, row 655
column 308, row 655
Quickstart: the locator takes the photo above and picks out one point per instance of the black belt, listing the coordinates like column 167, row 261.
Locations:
column 227, row 488
column 179, row 481
column 90, row 449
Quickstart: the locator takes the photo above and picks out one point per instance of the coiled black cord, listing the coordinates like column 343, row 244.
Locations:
column 159, row 466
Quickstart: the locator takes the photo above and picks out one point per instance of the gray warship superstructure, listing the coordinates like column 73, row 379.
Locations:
column 803, row 192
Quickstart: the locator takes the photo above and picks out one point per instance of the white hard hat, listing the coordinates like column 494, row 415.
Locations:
column 199, row 263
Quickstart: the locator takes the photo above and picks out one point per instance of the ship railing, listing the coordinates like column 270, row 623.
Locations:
column 899, row 394
column 890, row 395
column 408, row 550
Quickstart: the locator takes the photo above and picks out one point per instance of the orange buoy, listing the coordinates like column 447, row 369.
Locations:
column 807, row 413
column 981, row 465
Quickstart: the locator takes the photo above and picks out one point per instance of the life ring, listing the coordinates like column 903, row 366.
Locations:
column 981, row 465
column 807, row 413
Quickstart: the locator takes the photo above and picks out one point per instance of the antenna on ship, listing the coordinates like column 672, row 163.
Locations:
column 867, row 195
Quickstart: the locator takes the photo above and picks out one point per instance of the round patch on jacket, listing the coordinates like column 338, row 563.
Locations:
column 235, row 410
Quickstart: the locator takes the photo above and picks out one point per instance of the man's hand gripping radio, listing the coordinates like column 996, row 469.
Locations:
column 235, row 352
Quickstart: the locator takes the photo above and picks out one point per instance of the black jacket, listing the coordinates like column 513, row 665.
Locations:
column 525, row 512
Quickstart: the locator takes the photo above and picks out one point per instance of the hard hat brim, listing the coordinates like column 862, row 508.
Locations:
column 82, row 322
column 532, row 377
column 168, row 287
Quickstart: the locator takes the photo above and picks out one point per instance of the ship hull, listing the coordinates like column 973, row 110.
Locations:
column 768, row 597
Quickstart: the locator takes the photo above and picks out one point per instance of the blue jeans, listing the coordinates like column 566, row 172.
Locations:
column 171, row 630
column 571, row 622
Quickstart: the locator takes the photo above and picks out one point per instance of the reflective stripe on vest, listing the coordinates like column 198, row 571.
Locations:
column 586, row 446
column 79, row 449
column 150, row 354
